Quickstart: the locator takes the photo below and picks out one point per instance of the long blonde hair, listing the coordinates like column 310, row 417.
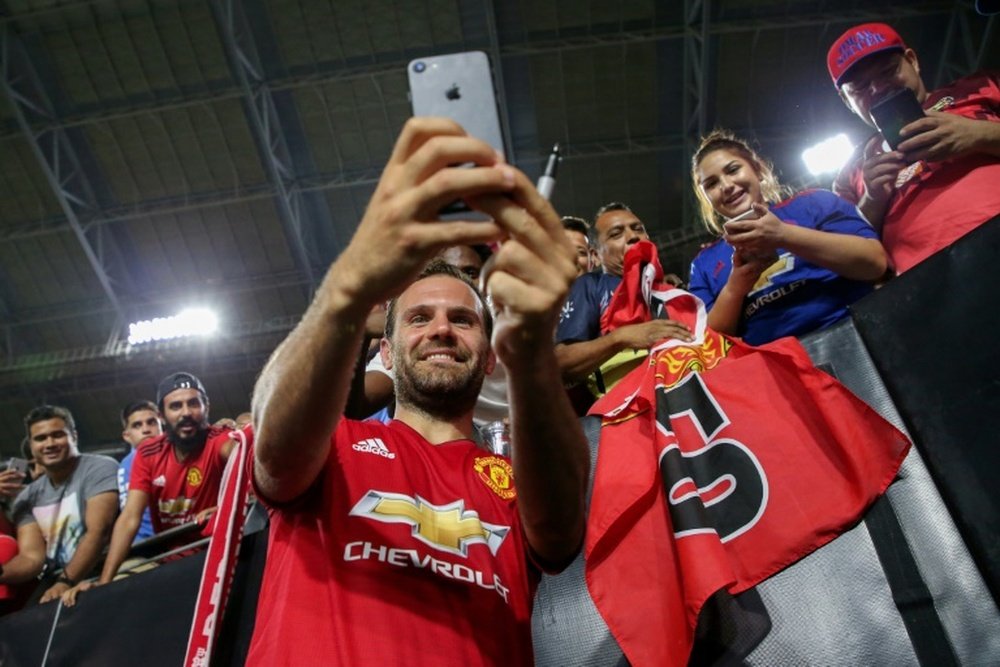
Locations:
column 717, row 140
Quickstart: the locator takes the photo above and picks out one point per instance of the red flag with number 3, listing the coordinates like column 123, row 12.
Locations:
column 721, row 464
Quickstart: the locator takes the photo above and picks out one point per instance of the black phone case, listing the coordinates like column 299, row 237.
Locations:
column 894, row 112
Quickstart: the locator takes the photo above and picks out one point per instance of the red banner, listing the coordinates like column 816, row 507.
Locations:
column 720, row 464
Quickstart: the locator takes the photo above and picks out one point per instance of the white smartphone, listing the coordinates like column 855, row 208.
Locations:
column 18, row 464
column 749, row 214
column 458, row 86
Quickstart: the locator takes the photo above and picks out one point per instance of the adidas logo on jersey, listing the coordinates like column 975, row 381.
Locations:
column 373, row 446
column 160, row 481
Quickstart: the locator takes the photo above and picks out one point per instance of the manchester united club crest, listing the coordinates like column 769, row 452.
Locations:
column 194, row 477
column 495, row 472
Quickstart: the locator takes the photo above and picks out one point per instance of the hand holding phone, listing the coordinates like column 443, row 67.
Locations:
column 895, row 111
column 13, row 477
column 751, row 236
column 18, row 464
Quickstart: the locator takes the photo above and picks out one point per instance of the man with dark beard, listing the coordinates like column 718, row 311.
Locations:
column 405, row 543
column 176, row 474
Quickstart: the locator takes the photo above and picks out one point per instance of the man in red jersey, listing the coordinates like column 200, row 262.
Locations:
column 176, row 474
column 404, row 543
column 941, row 181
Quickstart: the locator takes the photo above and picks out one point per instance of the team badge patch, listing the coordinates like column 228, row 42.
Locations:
column 496, row 474
column 194, row 477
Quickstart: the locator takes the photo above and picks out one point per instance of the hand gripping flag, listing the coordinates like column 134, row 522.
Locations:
column 720, row 464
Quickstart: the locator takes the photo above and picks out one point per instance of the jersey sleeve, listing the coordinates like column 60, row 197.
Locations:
column 832, row 213
column 707, row 277
column 849, row 182
column 139, row 479
column 580, row 319
column 21, row 510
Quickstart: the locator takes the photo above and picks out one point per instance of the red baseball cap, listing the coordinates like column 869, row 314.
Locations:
column 857, row 44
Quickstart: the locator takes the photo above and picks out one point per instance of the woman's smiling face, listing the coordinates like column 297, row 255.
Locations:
column 730, row 182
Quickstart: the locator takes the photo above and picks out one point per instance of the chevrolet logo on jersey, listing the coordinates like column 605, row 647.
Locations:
column 449, row 527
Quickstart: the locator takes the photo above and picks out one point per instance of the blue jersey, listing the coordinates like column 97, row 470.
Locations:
column 580, row 319
column 792, row 296
column 124, row 473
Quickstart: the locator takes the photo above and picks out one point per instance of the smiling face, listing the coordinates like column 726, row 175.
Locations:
column 729, row 182
column 53, row 443
column 439, row 349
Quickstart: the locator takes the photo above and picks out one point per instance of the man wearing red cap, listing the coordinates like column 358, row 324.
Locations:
column 941, row 181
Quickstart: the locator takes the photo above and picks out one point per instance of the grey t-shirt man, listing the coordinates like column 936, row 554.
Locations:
column 59, row 511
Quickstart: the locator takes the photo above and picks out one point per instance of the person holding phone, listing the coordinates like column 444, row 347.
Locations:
column 782, row 267
column 13, row 478
column 939, row 182
column 404, row 543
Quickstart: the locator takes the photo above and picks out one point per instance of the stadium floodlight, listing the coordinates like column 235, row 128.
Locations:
column 188, row 322
column 828, row 156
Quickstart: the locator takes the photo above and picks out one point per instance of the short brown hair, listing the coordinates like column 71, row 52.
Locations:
column 439, row 267
column 135, row 406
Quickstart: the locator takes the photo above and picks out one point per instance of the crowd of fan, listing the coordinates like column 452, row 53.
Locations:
column 784, row 264
column 68, row 507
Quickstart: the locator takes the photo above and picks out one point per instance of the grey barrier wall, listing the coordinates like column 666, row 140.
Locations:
column 911, row 584
column 839, row 605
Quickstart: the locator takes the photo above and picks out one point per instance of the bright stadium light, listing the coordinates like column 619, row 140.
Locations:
column 828, row 156
column 188, row 322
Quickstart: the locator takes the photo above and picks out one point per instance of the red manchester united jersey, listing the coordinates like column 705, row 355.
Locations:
column 936, row 203
column 178, row 491
column 402, row 553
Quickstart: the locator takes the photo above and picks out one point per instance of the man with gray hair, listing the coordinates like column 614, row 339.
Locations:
column 584, row 354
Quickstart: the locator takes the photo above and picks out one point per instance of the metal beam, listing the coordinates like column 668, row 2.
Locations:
column 489, row 14
column 729, row 27
column 61, row 362
column 329, row 72
column 359, row 178
column 209, row 293
column 966, row 44
column 246, row 68
column 189, row 202
column 694, row 88
column 52, row 150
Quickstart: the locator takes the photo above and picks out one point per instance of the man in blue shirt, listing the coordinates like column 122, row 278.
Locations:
column 140, row 421
column 580, row 348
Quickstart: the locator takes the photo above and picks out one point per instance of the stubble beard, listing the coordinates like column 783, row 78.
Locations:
column 443, row 393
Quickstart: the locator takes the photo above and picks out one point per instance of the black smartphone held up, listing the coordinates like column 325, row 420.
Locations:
column 458, row 86
column 893, row 112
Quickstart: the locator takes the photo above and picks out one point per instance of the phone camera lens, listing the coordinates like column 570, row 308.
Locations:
column 419, row 66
